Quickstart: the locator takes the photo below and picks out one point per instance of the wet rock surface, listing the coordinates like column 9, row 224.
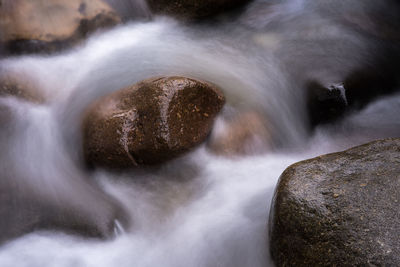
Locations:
column 48, row 26
column 193, row 9
column 324, row 104
column 340, row 209
column 149, row 122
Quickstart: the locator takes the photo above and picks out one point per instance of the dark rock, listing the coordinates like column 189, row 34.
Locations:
column 193, row 9
column 245, row 134
column 48, row 26
column 150, row 122
column 324, row 104
column 25, row 208
column 340, row 209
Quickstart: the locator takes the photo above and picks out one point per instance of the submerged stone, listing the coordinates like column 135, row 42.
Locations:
column 149, row 122
column 245, row 134
column 340, row 209
column 20, row 86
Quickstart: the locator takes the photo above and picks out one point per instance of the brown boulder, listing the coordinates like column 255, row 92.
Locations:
column 42, row 25
column 192, row 9
column 149, row 122
column 245, row 134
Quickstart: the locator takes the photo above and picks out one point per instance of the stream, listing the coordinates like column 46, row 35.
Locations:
column 200, row 209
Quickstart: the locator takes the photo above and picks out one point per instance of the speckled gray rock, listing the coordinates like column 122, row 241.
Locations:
column 340, row 209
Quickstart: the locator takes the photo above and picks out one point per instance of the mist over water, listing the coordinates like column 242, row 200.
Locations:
column 200, row 209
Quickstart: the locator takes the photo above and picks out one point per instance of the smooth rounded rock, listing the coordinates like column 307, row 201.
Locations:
column 47, row 26
column 193, row 9
column 150, row 122
column 340, row 209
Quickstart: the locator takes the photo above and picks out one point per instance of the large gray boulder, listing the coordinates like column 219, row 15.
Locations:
column 340, row 209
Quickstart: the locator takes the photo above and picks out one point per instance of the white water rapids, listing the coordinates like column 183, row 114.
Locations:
column 201, row 209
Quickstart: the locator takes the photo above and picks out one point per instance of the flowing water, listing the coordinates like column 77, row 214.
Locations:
column 200, row 209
